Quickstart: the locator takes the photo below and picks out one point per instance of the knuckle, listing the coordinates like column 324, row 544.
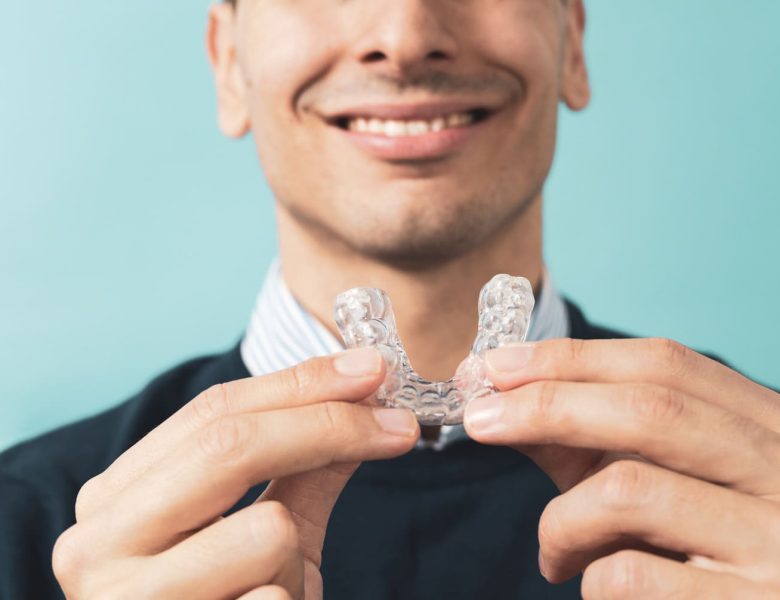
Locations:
column 127, row 579
column 551, row 532
column 212, row 403
column 545, row 405
column 669, row 355
column 562, row 351
column 122, row 590
column 273, row 523
column 756, row 435
column 81, row 575
column 656, row 403
column 626, row 575
column 226, row 438
column 87, row 497
column 766, row 442
column 625, row 484
column 270, row 592
column 301, row 377
column 67, row 557
column 574, row 349
column 334, row 418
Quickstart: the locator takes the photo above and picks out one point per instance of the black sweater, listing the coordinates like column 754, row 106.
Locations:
column 450, row 524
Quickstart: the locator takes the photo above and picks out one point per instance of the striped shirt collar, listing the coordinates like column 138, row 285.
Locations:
column 282, row 333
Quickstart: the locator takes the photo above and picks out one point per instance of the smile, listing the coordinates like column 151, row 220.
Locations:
column 404, row 137
column 399, row 128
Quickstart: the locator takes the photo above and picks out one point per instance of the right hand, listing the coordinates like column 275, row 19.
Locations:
column 151, row 525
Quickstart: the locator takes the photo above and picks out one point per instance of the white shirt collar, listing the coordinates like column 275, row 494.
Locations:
column 282, row 333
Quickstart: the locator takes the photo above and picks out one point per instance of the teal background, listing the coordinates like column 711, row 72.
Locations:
column 133, row 236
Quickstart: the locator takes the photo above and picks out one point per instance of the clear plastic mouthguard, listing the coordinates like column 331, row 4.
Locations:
column 364, row 316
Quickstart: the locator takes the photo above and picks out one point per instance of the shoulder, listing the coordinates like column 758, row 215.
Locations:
column 75, row 452
column 582, row 328
column 41, row 477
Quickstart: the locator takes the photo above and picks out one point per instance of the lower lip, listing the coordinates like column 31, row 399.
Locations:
column 434, row 144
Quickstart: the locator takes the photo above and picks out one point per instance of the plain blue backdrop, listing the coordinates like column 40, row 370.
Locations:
column 133, row 236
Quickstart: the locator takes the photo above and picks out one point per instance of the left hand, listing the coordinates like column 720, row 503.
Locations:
column 668, row 463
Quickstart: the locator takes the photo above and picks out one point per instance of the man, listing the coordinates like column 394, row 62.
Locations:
column 407, row 144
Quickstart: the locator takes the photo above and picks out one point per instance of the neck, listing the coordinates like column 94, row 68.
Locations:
column 436, row 308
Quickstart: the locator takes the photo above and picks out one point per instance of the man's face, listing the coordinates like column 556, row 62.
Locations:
column 306, row 70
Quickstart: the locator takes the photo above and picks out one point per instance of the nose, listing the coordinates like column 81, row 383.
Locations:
column 401, row 35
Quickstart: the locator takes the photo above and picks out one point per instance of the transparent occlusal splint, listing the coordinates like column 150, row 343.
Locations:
column 364, row 316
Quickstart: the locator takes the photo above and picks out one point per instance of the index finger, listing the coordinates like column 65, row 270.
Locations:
column 658, row 361
column 213, row 469
column 348, row 376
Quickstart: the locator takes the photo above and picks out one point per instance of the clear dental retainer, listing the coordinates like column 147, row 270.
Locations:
column 364, row 316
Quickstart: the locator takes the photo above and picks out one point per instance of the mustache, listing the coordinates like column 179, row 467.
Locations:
column 432, row 82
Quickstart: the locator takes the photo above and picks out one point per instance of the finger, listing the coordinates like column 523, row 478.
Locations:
column 320, row 379
column 650, row 360
column 637, row 575
column 255, row 546
column 668, row 427
column 631, row 500
column 209, row 474
column 310, row 497
column 267, row 592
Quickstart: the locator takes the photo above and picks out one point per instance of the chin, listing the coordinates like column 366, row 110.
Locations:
column 418, row 247
column 412, row 259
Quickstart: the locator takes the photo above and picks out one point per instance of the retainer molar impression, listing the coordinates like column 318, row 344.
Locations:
column 365, row 317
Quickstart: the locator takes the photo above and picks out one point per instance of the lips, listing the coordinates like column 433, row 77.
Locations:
column 396, row 128
column 412, row 131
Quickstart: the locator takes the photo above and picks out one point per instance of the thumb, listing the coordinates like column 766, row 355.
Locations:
column 310, row 498
column 565, row 466
column 569, row 466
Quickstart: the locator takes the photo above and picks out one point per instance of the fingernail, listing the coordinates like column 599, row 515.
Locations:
column 358, row 362
column 398, row 421
column 509, row 358
column 484, row 415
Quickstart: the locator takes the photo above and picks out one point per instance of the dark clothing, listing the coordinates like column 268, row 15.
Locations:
column 450, row 524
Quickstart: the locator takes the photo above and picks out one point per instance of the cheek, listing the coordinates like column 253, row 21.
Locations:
column 522, row 38
column 527, row 47
column 284, row 50
column 296, row 51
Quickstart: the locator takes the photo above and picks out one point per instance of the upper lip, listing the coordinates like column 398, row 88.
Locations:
column 408, row 111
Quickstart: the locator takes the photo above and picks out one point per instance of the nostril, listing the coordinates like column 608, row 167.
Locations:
column 374, row 56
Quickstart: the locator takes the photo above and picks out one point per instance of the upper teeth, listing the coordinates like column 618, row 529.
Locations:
column 393, row 128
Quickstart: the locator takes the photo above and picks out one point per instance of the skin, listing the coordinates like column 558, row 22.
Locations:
column 430, row 233
column 150, row 526
column 668, row 463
